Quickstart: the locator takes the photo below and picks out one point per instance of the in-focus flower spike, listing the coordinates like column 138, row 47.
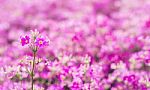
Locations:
column 25, row 40
column 37, row 41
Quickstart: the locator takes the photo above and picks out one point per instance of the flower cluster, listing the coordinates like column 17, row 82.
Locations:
column 35, row 41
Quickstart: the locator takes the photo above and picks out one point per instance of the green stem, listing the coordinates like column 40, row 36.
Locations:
column 32, row 72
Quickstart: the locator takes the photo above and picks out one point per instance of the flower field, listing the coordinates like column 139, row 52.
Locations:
column 74, row 44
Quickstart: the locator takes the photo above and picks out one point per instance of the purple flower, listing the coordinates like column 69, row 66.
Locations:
column 25, row 40
column 40, row 42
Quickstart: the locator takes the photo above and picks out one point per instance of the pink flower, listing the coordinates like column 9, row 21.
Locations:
column 40, row 42
column 147, row 24
column 75, row 85
column 75, row 38
column 25, row 40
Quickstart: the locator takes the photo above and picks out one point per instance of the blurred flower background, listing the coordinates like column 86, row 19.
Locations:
column 94, row 44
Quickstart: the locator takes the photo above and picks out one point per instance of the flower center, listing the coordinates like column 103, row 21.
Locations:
column 40, row 42
column 26, row 41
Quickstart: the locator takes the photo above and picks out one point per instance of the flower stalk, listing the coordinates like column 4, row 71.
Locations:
column 32, row 72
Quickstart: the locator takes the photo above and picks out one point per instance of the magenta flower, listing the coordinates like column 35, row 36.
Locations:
column 147, row 24
column 40, row 42
column 132, row 77
column 125, row 78
column 25, row 40
column 75, row 85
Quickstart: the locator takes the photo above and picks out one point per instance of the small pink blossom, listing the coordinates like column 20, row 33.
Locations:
column 40, row 42
column 25, row 40
column 147, row 24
